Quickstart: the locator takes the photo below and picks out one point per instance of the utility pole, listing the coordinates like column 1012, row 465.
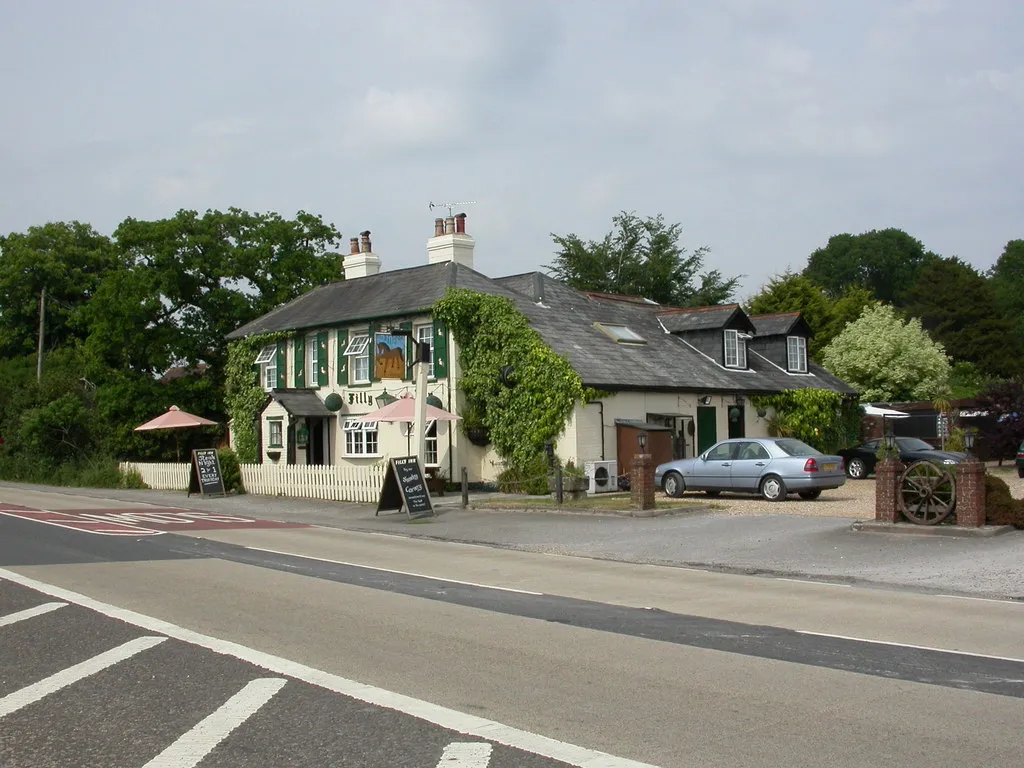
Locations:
column 42, row 329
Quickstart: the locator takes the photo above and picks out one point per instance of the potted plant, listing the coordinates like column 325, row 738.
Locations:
column 436, row 480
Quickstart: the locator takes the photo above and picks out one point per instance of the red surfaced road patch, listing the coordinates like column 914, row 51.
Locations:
column 145, row 521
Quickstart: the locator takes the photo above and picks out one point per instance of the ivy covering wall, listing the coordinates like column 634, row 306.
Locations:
column 514, row 384
column 244, row 395
column 819, row 417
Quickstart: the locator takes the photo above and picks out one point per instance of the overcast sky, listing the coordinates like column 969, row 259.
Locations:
column 763, row 126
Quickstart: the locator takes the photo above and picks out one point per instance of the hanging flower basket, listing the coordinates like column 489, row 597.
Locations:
column 478, row 436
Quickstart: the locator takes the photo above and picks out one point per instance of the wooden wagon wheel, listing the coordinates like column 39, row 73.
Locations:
column 927, row 493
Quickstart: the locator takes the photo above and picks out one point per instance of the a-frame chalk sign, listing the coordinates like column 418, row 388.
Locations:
column 204, row 476
column 404, row 486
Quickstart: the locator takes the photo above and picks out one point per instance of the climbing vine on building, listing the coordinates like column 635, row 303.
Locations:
column 819, row 417
column 244, row 396
column 515, row 385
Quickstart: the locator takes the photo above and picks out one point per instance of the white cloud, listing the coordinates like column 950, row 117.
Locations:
column 405, row 119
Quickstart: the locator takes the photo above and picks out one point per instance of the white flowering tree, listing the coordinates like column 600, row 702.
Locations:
column 887, row 358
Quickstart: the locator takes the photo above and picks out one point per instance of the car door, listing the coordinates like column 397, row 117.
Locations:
column 715, row 467
column 751, row 462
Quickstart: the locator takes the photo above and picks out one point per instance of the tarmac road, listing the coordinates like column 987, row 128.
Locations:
column 743, row 536
column 666, row 666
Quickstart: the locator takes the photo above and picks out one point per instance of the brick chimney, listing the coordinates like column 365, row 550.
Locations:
column 361, row 260
column 451, row 242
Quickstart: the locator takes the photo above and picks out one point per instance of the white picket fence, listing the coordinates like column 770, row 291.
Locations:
column 331, row 483
column 315, row 482
column 161, row 477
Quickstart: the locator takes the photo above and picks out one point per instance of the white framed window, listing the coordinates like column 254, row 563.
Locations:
column 275, row 433
column 361, row 438
column 796, row 349
column 735, row 350
column 358, row 350
column 312, row 360
column 425, row 335
column 430, row 454
column 267, row 361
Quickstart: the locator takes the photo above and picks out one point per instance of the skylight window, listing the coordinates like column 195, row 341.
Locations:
column 621, row 333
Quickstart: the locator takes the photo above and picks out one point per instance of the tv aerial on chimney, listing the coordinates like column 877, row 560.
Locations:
column 451, row 206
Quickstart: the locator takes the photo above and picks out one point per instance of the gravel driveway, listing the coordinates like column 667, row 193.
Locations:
column 855, row 499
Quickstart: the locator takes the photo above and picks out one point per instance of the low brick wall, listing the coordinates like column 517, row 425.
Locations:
column 970, row 493
column 887, row 489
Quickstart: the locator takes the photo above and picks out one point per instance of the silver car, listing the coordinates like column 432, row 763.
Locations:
column 770, row 466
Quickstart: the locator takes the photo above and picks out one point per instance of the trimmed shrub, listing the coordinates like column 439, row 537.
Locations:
column 230, row 470
column 132, row 478
column 532, row 478
column 1000, row 507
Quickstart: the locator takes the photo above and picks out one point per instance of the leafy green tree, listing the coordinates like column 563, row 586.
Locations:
column 956, row 306
column 68, row 259
column 641, row 257
column 193, row 278
column 965, row 380
column 1007, row 278
column 887, row 358
column 793, row 292
column 883, row 262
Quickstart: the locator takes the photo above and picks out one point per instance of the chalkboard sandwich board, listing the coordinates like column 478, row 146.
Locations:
column 205, row 477
column 404, row 485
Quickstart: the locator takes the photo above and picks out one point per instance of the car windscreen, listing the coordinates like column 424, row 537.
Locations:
column 796, row 448
column 914, row 444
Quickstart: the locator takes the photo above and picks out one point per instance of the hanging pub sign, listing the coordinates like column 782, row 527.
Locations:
column 405, row 486
column 204, row 475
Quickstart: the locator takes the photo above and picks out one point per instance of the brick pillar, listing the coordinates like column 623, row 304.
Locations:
column 887, row 479
column 642, row 482
column 970, row 493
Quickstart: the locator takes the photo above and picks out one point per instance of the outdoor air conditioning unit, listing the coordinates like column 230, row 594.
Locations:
column 603, row 476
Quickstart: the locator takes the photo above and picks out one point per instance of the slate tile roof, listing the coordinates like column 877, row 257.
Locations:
column 387, row 294
column 779, row 324
column 299, row 402
column 565, row 318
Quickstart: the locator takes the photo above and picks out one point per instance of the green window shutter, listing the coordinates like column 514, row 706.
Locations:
column 373, row 353
column 440, row 351
column 342, row 360
column 321, row 358
column 282, row 364
column 410, row 346
column 300, row 361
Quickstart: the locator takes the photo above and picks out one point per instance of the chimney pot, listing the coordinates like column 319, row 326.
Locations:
column 438, row 227
column 449, row 225
column 364, row 245
column 353, row 243
column 460, row 223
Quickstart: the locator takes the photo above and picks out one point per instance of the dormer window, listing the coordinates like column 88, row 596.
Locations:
column 796, row 353
column 735, row 349
column 621, row 334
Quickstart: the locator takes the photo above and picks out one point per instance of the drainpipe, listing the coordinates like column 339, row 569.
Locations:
column 600, row 404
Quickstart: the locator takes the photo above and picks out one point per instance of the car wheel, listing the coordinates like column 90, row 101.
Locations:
column 810, row 495
column 673, row 484
column 857, row 469
column 712, row 494
column 1020, row 471
column 773, row 489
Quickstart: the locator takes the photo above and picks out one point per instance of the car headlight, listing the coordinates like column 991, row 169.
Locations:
column 948, row 461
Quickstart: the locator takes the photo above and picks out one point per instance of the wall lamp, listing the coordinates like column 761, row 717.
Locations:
column 706, row 400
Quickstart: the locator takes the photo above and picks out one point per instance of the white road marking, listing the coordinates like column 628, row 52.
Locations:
column 983, row 599
column 12, row 702
column 391, row 570
column 466, row 754
column 29, row 613
column 460, row 722
column 191, row 747
column 908, row 645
